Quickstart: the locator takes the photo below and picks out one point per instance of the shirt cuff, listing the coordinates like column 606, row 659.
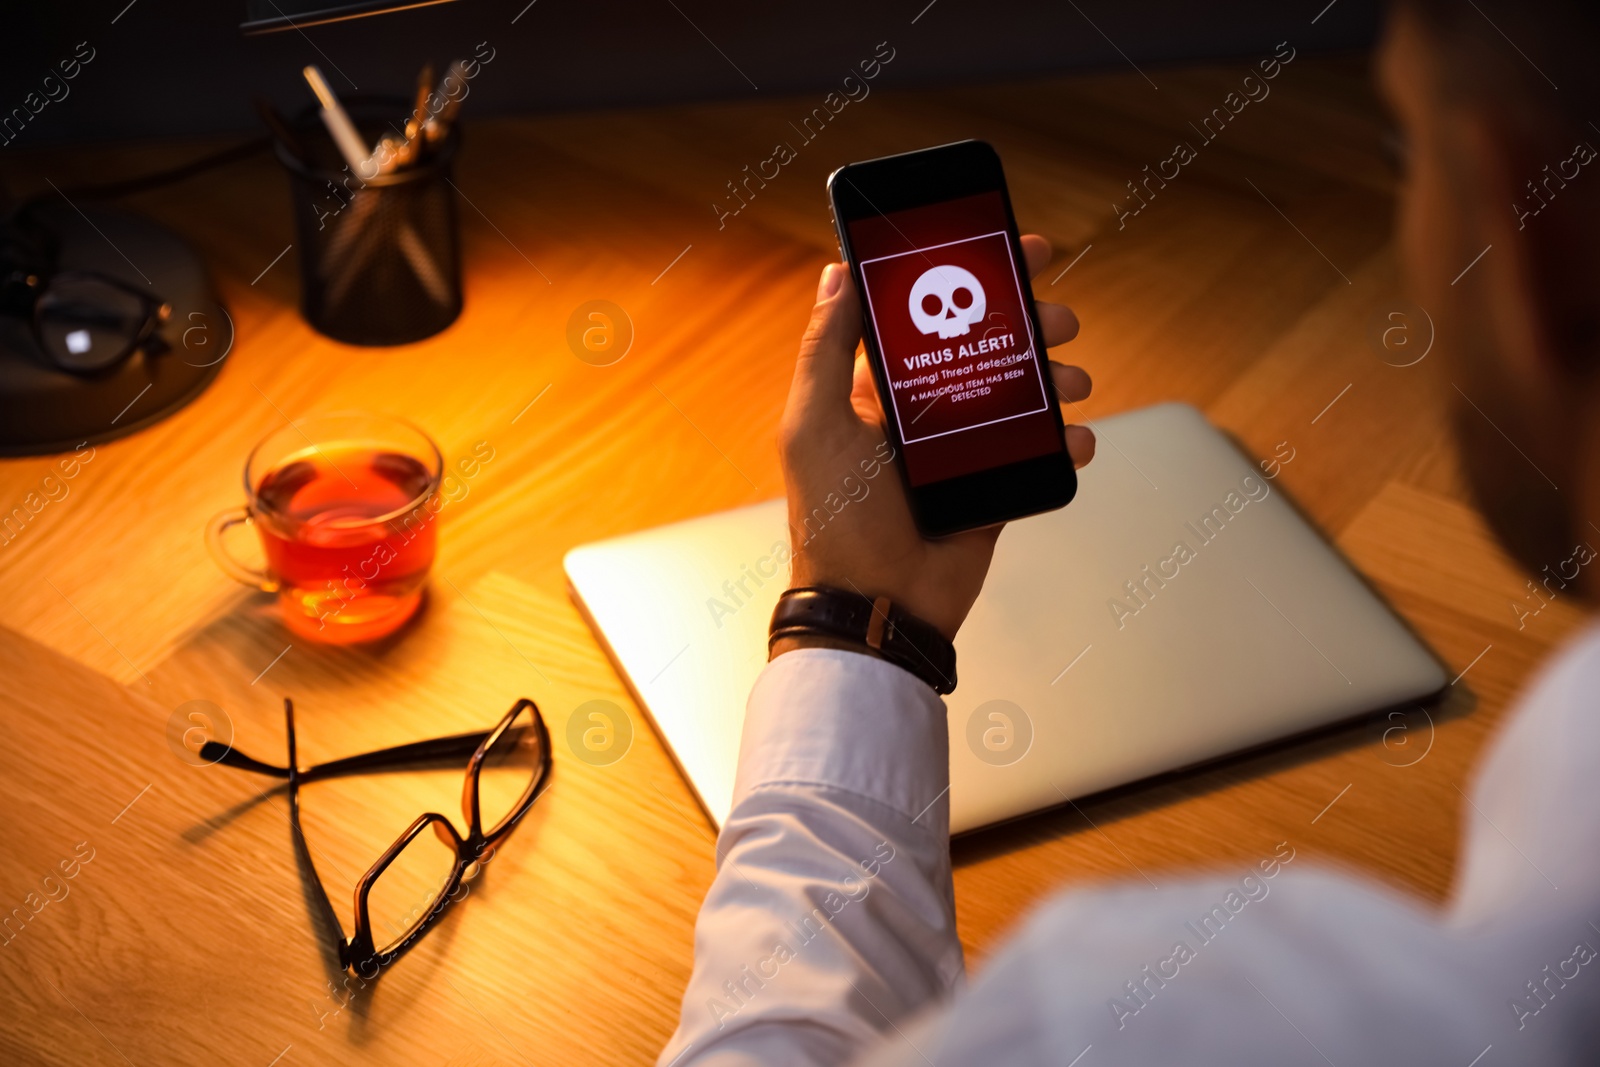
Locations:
column 850, row 721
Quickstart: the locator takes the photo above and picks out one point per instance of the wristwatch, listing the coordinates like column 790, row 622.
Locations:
column 876, row 623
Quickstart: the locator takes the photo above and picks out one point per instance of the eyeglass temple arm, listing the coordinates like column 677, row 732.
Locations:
column 216, row 752
column 323, row 904
column 439, row 749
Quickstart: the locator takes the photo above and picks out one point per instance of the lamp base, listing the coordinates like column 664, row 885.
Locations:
column 44, row 409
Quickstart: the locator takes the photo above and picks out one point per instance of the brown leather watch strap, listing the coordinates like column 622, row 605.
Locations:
column 875, row 623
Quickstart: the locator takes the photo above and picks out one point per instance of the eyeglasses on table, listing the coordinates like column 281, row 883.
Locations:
column 407, row 888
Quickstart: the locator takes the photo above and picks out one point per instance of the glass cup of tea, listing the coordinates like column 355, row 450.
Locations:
column 347, row 506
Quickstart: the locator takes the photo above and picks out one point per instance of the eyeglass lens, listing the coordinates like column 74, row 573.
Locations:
column 88, row 324
column 408, row 890
column 510, row 770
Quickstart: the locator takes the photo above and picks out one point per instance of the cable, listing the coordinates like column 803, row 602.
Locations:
column 232, row 154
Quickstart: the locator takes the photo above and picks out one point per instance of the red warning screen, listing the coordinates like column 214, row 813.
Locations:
column 944, row 294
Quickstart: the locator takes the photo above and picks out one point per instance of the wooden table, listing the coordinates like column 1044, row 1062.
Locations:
column 1249, row 285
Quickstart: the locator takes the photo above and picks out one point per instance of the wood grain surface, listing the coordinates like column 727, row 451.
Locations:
column 1251, row 285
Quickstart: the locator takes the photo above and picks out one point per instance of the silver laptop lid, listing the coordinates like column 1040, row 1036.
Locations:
column 1178, row 610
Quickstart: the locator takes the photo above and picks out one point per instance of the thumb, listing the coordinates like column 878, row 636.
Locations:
column 825, row 372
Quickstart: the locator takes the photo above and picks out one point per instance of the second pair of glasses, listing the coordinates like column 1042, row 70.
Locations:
column 85, row 322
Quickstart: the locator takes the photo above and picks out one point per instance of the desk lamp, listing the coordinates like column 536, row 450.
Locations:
column 270, row 16
column 108, row 322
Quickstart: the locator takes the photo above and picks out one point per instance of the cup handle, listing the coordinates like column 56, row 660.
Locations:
column 215, row 530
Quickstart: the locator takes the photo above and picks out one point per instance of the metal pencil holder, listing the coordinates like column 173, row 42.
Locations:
column 380, row 257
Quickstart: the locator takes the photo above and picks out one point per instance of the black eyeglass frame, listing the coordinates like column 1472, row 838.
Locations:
column 358, row 951
column 25, row 292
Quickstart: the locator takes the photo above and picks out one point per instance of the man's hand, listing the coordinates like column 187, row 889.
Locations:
column 833, row 451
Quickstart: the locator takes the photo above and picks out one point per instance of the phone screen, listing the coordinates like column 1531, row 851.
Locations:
column 943, row 291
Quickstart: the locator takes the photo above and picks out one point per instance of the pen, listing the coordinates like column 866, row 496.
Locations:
column 438, row 126
column 389, row 155
column 422, row 264
column 340, row 128
column 414, row 124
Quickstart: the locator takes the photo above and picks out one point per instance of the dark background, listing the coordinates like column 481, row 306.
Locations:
column 169, row 67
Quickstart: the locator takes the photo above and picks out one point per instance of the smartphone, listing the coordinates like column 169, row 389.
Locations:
column 952, row 336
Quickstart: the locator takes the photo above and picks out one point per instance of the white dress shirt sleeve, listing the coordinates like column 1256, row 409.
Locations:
column 832, row 913
column 829, row 931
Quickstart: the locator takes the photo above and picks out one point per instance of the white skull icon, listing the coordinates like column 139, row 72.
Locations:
column 946, row 300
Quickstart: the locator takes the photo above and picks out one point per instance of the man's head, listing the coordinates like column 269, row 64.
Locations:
column 1495, row 103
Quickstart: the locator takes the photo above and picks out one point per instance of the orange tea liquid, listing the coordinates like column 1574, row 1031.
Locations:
column 350, row 563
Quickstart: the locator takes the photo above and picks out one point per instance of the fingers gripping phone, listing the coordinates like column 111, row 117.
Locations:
column 952, row 336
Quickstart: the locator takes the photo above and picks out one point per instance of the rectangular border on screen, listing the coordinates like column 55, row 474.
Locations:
column 1022, row 299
